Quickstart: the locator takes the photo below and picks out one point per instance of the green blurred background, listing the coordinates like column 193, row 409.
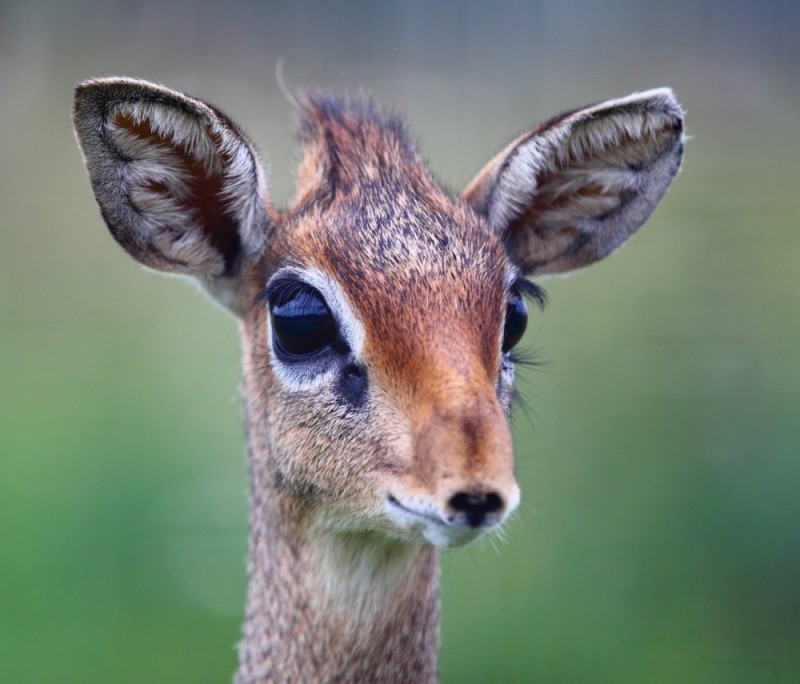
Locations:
column 659, row 536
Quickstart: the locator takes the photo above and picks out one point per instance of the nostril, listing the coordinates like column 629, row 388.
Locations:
column 476, row 506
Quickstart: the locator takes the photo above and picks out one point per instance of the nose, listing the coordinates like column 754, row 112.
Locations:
column 475, row 507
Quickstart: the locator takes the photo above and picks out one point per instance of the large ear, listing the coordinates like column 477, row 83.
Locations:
column 178, row 184
column 573, row 190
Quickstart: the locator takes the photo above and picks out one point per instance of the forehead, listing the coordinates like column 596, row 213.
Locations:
column 420, row 275
column 362, row 180
column 413, row 260
column 402, row 243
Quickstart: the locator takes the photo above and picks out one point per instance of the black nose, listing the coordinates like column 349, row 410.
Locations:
column 475, row 506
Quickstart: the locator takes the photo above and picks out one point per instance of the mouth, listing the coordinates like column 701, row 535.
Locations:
column 393, row 502
column 422, row 518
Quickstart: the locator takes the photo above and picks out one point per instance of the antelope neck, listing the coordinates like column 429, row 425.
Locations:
column 325, row 606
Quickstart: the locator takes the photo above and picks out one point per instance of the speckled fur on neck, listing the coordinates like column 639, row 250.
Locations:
column 330, row 608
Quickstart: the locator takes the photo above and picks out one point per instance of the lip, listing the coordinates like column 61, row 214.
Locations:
column 393, row 502
column 430, row 525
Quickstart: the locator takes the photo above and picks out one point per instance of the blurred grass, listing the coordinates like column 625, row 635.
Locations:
column 658, row 539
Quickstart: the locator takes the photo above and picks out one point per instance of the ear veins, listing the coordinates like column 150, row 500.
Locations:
column 204, row 199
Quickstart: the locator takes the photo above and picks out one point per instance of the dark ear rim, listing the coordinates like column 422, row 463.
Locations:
column 508, row 185
column 231, row 157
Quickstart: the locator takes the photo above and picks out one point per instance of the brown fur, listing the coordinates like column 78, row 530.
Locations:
column 350, row 491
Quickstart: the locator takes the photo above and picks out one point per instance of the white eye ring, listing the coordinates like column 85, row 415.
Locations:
column 315, row 374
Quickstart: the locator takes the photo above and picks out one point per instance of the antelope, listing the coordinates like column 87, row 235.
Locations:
column 378, row 317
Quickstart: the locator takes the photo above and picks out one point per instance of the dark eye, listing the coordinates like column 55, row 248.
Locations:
column 301, row 321
column 516, row 322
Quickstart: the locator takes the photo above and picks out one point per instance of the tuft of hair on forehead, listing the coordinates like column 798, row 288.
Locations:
column 321, row 111
column 348, row 142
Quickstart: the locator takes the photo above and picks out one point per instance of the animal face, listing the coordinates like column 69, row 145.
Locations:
column 378, row 312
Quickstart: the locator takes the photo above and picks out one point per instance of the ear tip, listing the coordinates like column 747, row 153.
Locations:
column 663, row 100
column 82, row 90
column 103, row 83
column 97, row 90
column 116, row 87
column 661, row 92
column 87, row 101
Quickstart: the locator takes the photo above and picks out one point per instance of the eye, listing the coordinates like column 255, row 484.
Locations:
column 516, row 322
column 302, row 324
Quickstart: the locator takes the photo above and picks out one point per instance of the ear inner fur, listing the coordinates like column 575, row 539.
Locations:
column 179, row 186
column 573, row 190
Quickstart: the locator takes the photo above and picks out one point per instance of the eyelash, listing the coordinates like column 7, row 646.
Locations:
column 535, row 293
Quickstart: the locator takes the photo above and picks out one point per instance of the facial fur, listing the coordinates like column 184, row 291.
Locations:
column 422, row 282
